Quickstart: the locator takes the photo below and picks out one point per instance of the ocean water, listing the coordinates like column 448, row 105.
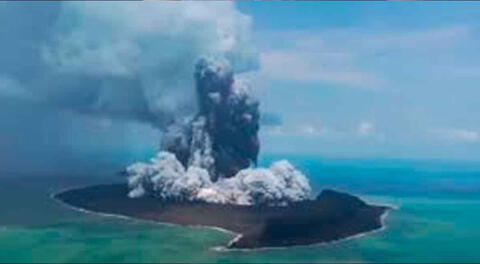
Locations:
column 436, row 219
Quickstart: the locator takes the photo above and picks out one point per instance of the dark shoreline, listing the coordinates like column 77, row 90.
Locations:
column 331, row 216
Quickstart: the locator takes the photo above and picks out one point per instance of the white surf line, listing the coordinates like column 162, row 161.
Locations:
column 134, row 219
column 391, row 206
column 237, row 235
column 336, row 241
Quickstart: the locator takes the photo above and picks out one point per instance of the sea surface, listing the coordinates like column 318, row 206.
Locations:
column 437, row 219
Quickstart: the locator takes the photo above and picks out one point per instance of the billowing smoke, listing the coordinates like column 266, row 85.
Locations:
column 166, row 178
column 129, row 60
column 222, row 137
column 209, row 157
column 134, row 60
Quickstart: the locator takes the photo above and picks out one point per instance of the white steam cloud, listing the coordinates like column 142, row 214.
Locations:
column 165, row 177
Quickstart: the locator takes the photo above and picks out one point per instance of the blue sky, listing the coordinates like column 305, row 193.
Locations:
column 348, row 79
column 370, row 79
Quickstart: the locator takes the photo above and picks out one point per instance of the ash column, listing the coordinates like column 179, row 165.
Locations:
column 223, row 136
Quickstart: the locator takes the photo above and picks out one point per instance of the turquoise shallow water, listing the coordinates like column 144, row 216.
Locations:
column 436, row 221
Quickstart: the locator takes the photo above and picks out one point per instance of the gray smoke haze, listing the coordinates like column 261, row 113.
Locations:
column 110, row 61
column 120, row 60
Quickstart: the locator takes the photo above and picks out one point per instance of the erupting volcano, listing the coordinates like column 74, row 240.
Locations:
column 206, row 174
column 212, row 156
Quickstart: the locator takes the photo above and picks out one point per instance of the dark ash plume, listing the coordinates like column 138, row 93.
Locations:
column 223, row 136
column 209, row 156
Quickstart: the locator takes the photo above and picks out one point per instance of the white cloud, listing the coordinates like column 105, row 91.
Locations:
column 350, row 57
column 460, row 135
column 436, row 38
column 309, row 130
column 366, row 128
column 305, row 130
column 304, row 66
column 360, row 40
column 274, row 130
column 363, row 131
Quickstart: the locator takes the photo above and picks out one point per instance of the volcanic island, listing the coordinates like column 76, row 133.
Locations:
column 206, row 175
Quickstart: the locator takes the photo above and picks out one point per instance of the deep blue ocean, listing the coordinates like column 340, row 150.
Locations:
column 436, row 219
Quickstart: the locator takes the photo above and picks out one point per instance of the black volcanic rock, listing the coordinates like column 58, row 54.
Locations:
column 225, row 128
column 331, row 216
